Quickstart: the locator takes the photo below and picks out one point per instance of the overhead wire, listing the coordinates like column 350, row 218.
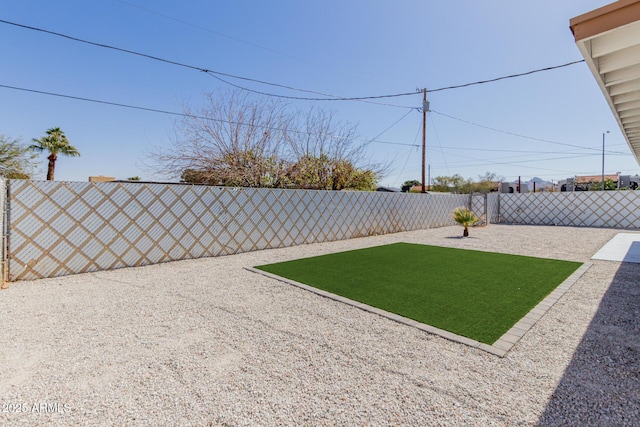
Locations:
column 303, row 98
column 227, row 36
column 409, row 156
column 331, row 97
column 211, row 72
column 510, row 76
column 398, row 154
column 435, row 130
column 387, row 129
column 464, row 164
column 173, row 113
column 522, row 136
column 391, row 125
column 511, row 164
column 509, row 151
column 514, row 163
column 525, row 153
column 575, row 156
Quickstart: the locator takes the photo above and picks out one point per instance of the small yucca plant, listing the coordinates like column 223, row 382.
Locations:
column 465, row 218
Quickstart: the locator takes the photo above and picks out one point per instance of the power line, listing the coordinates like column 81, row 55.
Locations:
column 409, row 156
column 517, row 164
column 302, row 98
column 236, row 39
column 508, row 164
column 409, row 153
column 391, row 125
column 487, row 162
column 520, row 162
column 439, row 144
column 501, row 150
column 522, row 136
column 331, row 97
column 386, row 129
column 173, row 113
column 524, row 152
column 513, row 162
column 212, row 72
column 511, row 76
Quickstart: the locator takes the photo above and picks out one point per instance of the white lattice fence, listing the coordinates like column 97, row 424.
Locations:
column 59, row 228
column 616, row 209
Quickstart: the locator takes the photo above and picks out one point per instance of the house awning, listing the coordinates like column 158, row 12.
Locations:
column 609, row 40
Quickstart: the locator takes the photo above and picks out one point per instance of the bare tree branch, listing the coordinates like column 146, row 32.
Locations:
column 237, row 139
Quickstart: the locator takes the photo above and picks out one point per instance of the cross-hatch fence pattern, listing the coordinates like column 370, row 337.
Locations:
column 613, row 209
column 60, row 228
column 56, row 228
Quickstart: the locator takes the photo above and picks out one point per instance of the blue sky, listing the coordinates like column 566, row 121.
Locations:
column 347, row 48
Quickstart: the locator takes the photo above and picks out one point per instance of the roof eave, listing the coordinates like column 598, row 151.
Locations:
column 619, row 24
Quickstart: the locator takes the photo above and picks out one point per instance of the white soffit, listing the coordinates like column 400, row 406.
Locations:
column 610, row 45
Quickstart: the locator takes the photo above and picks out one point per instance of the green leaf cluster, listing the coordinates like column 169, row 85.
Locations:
column 17, row 161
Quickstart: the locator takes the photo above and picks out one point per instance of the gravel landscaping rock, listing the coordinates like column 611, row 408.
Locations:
column 205, row 342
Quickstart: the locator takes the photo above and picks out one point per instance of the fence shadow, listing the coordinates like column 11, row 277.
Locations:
column 633, row 254
column 601, row 385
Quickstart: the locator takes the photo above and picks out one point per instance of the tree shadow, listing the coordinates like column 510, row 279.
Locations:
column 601, row 385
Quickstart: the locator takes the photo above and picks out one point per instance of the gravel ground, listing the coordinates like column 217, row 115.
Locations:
column 205, row 342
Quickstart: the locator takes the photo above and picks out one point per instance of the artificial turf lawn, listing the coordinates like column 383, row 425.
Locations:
column 479, row 295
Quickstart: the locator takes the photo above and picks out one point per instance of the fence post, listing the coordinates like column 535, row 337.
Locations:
column 487, row 221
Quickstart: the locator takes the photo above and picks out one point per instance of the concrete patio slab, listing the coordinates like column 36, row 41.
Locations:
column 624, row 247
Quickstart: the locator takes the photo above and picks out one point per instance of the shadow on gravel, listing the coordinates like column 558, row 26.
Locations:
column 601, row 386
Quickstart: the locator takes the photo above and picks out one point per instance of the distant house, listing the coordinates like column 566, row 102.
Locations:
column 494, row 186
column 584, row 182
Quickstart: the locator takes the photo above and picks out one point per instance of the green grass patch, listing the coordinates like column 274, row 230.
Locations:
column 479, row 295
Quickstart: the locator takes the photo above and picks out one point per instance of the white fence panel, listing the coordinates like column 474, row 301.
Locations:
column 615, row 209
column 59, row 228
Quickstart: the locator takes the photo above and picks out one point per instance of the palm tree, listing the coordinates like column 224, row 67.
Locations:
column 55, row 142
column 465, row 218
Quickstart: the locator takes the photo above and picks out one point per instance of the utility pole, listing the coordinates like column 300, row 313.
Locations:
column 425, row 108
column 603, row 158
